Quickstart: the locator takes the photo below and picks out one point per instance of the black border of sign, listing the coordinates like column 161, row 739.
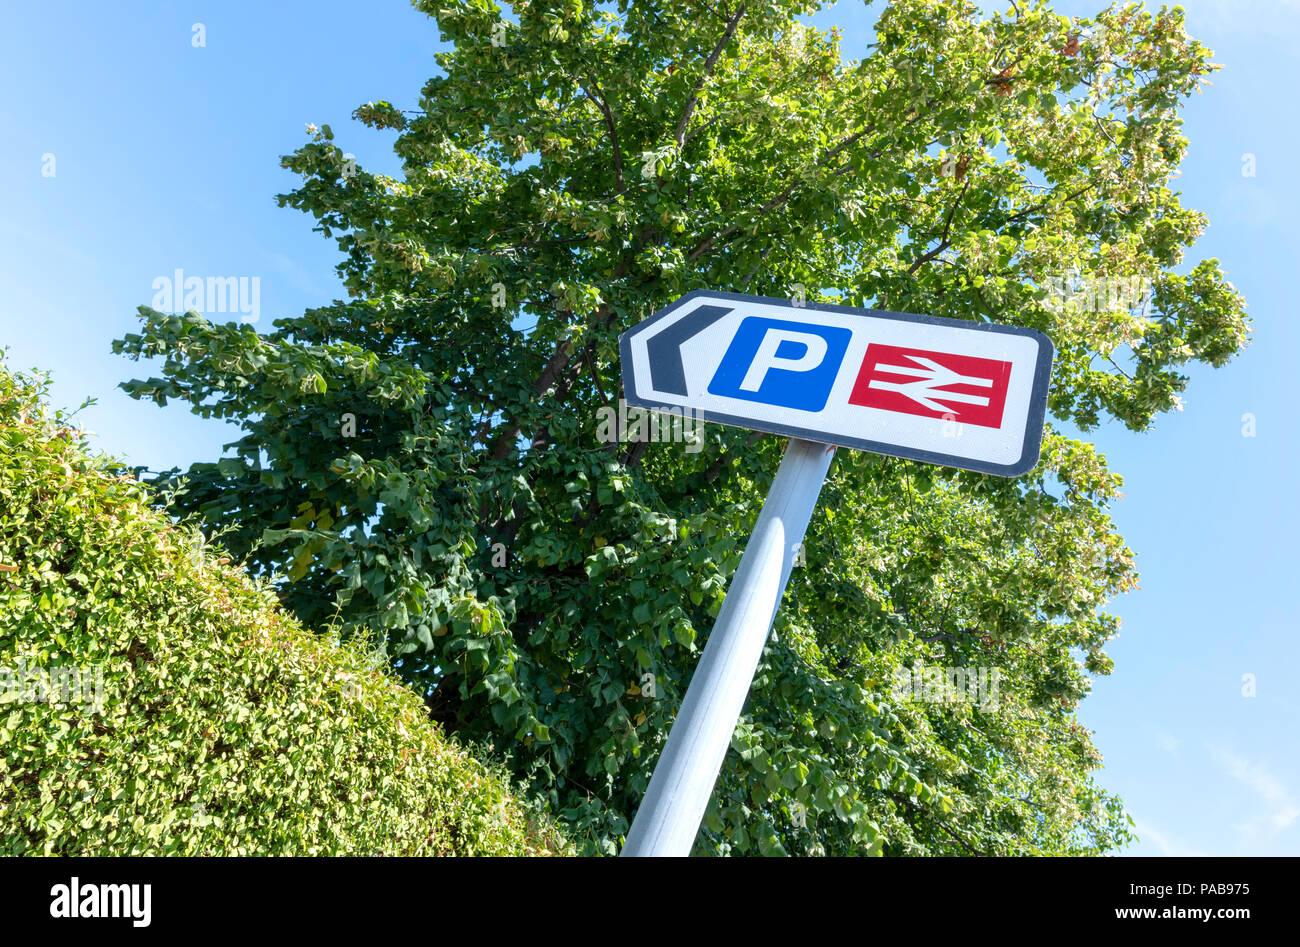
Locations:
column 1037, row 399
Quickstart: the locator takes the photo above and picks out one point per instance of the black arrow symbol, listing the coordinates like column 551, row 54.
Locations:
column 665, row 349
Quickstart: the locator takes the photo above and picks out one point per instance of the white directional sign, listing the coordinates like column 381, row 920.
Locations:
column 943, row 391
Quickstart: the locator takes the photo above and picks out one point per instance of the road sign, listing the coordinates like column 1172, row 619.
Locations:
column 943, row 391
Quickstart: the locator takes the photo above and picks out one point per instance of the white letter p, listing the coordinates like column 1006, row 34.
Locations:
column 766, row 359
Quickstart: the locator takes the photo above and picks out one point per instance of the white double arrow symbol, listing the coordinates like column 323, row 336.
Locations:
column 928, row 380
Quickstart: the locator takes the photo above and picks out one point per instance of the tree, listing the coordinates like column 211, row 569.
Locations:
column 566, row 175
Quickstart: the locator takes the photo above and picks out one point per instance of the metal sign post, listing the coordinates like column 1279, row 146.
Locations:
column 941, row 391
column 683, row 779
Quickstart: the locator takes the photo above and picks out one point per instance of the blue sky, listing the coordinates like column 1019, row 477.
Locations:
column 166, row 156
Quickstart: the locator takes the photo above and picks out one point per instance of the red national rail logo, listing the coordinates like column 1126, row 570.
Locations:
column 933, row 384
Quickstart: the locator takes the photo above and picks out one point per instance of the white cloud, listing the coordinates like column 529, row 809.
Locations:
column 1163, row 843
column 1282, row 810
column 1168, row 742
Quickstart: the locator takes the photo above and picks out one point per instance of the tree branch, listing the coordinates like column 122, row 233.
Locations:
column 506, row 439
column 679, row 135
column 603, row 105
column 944, row 242
column 940, row 822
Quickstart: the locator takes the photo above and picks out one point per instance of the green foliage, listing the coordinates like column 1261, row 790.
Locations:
column 197, row 718
column 587, row 165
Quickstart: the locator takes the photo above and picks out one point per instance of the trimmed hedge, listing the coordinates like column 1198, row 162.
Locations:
column 155, row 700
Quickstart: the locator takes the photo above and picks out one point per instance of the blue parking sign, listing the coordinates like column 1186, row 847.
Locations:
column 774, row 361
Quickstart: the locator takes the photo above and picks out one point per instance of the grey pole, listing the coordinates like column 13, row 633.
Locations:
column 679, row 791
